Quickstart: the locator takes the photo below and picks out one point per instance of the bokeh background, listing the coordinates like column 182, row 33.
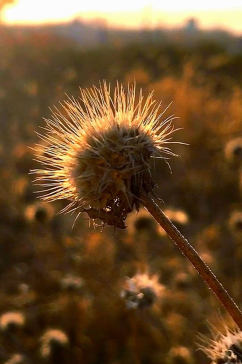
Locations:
column 68, row 295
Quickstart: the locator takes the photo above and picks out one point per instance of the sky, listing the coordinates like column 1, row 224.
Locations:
column 126, row 13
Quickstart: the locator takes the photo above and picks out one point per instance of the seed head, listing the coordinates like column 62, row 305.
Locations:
column 51, row 340
column 235, row 221
column 141, row 290
column 16, row 359
column 178, row 217
column 233, row 150
column 71, row 282
column 179, row 355
column 39, row 212
column 224, row 348
column 97, row 152
column 140, row 221
column 11, row 319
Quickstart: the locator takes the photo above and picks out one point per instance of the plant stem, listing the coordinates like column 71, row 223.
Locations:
column 205, row 272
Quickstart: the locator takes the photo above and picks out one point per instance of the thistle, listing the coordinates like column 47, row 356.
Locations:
column 233, row 150
column 179, row 355
column 16, row 359
column 9, row 320
column 224, row 348
column 235, row 221
column 51, row 341
column 141, row 290
column 97, row 153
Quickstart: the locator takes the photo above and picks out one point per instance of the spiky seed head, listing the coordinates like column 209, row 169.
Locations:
column 235, row 221
column 39, row 212
column 71, row 282
column 179, row 355
column 224, row 348
column 140, row 221
column 11, row 319
column 16, row 359
column 97, row 151
column 177, row 216
column 141, row 290
column 52, row 339
column 233, row 150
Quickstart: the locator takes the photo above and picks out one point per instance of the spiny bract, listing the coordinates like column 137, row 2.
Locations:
column 97, row 151
column 224, row 348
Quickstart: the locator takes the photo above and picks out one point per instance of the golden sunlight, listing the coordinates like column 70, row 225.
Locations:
column 128, row 14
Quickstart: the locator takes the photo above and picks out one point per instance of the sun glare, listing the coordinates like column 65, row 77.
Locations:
column 126, row 13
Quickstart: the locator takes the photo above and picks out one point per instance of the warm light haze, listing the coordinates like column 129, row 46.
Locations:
column 136, row 13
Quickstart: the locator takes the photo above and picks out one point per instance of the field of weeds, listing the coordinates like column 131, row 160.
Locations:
column 68, row 294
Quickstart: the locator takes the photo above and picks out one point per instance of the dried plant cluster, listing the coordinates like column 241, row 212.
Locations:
column 98, row 152
column 224, row 348
column 56, row 277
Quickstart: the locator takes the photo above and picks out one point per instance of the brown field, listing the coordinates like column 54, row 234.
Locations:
column 74, row 279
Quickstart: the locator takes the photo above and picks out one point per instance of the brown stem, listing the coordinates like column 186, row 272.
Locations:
column 187, row 250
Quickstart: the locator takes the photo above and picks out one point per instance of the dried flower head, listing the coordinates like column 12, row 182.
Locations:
column 141, row 290
column 235, row 221
column 178, row 217
column 71, row 282
column 97, row 152
column 233, row 150
column 51, row 340
column 182, row 281
column 140, row 221
column 179, row 355
column 11, row 319
column 16, row 359
column 39, row 212
column 223, row 348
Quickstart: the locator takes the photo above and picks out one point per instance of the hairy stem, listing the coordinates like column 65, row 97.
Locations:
column 205, row 272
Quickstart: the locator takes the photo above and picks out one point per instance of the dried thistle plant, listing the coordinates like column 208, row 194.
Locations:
column 142, row 290
column 11, row 319
column 51, row 340
column 223, row 348
column 97, row 153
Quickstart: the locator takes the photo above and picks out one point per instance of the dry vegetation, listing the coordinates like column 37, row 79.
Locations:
column 77, row 280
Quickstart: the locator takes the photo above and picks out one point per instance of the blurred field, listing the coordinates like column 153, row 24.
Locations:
column 72, row 280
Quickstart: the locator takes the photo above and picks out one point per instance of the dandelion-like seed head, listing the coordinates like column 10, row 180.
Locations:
column 97, row 152
column 224, row 348
column 11, row 319
column 52, row 339
column 141, row 290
